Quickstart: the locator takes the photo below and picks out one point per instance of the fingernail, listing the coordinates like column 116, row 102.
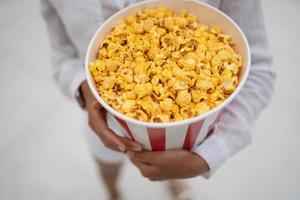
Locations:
column 123, row 149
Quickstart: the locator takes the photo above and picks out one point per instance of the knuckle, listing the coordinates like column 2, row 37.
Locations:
column 103, row 139
column 103, row 134
column 145, row 173
column 89, row 110
column 106, row 132
column 90, row 124
column 90, row 106
column 110, row 141
column 106, row 144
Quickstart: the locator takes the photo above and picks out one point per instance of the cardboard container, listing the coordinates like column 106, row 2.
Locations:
column 182, row 134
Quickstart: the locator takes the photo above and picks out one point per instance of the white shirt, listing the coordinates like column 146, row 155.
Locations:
column 72, row 23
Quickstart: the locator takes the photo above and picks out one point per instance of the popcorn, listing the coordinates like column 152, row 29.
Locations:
column 183, row 98
column 128, row 106
column 142, row 90
column 158, row 66
column 166, row 104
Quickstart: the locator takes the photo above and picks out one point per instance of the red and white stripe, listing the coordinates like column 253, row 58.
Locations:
column 157, row 139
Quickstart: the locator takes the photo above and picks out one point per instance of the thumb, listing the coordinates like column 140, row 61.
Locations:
column 98, row 115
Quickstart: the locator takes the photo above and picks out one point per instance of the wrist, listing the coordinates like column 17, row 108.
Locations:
column 80, row 98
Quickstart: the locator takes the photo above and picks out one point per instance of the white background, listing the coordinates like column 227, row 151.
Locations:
column 43, row 154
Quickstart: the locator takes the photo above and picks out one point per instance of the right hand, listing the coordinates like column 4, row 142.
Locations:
column 97, row 122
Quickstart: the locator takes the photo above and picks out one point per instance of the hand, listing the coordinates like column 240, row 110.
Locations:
column 97, row 122
column 170, row 164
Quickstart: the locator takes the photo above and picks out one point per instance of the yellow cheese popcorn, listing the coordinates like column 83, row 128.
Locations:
column 159, row 66
column 183, row 98
column 166, row 104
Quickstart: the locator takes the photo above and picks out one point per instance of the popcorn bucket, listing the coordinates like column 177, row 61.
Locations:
column 183, row 134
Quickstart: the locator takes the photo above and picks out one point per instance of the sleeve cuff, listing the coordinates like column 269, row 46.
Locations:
column 77, row 80
column 214, row 151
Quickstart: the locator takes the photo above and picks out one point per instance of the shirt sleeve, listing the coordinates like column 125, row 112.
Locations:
column 67, row 68
column 235, row 128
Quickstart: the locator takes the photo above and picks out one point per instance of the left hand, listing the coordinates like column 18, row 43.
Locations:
column 170, row 164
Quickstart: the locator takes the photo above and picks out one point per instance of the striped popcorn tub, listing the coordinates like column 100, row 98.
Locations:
column 183, row 134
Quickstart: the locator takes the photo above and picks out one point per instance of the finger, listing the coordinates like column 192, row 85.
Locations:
column 145, row 169
column 96, row 105
column 104, row 141
column 91, row 125
column 97, row 114
column 114, row 148
column 132, row 145
column 112, row 140
column 150, row 157
column 98, row 119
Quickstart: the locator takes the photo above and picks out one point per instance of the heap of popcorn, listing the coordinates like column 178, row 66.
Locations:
column 158, row 66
